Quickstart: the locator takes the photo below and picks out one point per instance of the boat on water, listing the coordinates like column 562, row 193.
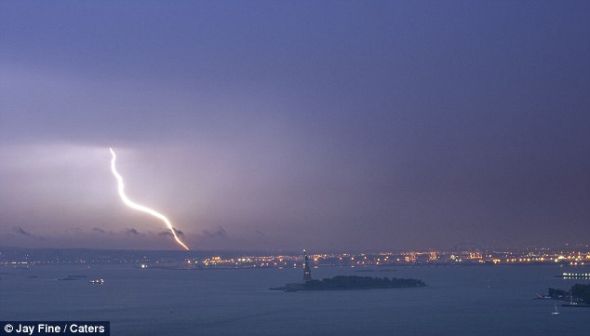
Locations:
column 574, row 276
column 543, row 297
column 555, row 310
column 97, row 281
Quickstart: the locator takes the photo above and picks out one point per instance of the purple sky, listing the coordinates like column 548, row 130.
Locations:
column 301, row 124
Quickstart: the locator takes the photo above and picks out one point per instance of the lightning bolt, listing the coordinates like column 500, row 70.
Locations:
column 139, row 207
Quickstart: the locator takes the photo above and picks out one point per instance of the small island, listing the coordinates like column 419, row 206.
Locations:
column 346, row 282
column 577, row 296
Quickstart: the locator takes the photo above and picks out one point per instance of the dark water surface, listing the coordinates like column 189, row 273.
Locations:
column 468, row 300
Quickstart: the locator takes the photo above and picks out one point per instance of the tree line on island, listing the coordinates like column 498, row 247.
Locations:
column 361, row 282
column 348, row 282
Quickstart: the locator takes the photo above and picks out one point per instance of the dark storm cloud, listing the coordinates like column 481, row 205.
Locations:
column 219, row 233
column 132, row 232
column 27, row 234
column 22, row 231
column 326, row 125
column 169, row 234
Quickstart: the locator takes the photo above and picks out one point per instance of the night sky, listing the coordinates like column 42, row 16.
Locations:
column 327, row 125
